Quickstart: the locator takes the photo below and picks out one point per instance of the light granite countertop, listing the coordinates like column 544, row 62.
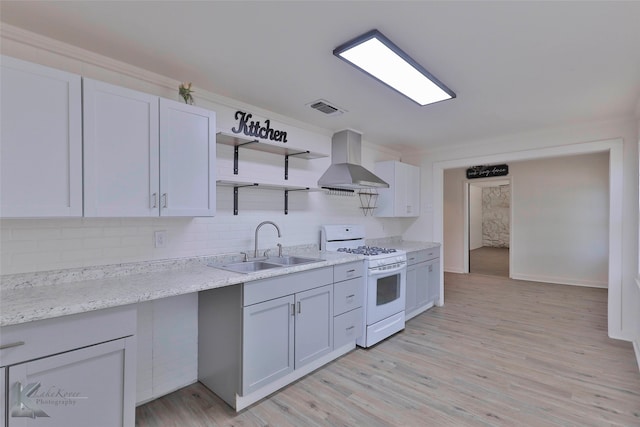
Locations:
column 44, row 295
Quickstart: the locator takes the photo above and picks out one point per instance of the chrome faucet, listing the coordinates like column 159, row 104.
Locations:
column 255, row 253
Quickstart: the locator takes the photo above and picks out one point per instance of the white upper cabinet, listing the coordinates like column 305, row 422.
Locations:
column 402, row 198
column 41, row 141
column 187, row 160
column 146, row 156
column 121, row 151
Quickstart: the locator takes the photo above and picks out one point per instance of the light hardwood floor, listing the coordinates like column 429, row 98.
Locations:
column 489, row 261
column 506, row 353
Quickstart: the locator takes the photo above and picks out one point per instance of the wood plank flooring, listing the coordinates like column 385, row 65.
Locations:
column 505, row 353
column 489, row 261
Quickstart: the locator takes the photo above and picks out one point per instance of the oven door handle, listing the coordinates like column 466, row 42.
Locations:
column 376, row 272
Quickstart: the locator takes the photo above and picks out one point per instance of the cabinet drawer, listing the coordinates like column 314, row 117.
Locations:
column 46, row 337
column 287, row 284
column 422, row 256
column 348, row 271
column 347, row 295
column 347, row 327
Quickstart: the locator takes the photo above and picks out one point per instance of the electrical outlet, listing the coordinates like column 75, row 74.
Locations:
column 160, row 238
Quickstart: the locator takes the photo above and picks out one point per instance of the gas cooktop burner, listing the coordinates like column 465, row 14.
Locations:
column 367, row 250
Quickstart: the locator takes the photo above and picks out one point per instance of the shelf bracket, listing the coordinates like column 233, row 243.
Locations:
column 235, row 195
column 236, row 152
column 286, row 198
column 286, row 162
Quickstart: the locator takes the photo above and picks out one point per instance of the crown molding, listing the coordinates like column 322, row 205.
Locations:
column 20, row 35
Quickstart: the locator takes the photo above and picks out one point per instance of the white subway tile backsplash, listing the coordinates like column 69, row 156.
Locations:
column 35, row 233
column 102, row 242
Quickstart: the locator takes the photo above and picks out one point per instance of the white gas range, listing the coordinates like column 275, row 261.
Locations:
column 385, row 285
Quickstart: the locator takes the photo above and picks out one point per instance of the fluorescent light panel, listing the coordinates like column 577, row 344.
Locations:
column 377, row 56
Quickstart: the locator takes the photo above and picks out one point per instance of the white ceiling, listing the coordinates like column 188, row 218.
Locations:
column 515, row 66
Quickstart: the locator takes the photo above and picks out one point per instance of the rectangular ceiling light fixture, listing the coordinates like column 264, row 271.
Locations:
column 377, row 56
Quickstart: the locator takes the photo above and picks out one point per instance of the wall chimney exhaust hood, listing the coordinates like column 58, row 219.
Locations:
column 345, row 172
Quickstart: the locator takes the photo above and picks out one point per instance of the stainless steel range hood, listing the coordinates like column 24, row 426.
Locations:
column 345, row 172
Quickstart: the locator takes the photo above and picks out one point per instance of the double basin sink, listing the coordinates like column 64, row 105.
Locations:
column 266, row 264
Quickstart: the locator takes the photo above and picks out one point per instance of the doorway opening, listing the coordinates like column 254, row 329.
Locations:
column 489, row 222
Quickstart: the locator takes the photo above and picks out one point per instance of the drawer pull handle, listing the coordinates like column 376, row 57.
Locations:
column 351, row 271
column 351, row 296
column 293, row 309
column 350, row 328
column 412, row 259
column 299, row 307
column 13, row 344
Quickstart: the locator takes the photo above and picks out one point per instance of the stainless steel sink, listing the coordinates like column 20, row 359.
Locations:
column 291, row 260
column 249, row 266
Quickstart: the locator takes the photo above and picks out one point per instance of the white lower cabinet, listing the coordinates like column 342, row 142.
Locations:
column 348, row 298
column 77, row 388
column 257, row 337
column 71, row 371
column 3, row 397
column 314, row 324
column 423, row 281
column 284, row 334
column 268, row 342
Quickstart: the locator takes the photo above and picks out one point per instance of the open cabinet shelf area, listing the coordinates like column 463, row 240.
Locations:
column 243, row 184
column 254, row 144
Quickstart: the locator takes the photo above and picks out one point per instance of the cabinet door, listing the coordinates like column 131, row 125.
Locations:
column 41, row 134
column 434, row 279
column 411, row 190
column 187, row 160
column 411, row 283
column 314, row 324
column 422, row 284
column 268, row 349
column 85, row 387
column 3, row 397
column 121, row 151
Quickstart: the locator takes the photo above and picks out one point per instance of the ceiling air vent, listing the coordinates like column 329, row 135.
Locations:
column 325, row 107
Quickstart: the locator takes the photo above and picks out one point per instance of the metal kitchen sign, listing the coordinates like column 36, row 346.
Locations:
column 487, row 171
column 254, row 128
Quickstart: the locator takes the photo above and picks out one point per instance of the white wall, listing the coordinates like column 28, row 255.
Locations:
column 560, row 220
column 624, row 307
column 44, row 244
column 475, row 217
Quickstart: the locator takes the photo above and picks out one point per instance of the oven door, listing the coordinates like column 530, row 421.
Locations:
column 385, row 293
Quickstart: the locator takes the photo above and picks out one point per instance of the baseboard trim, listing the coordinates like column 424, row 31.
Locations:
column 171, row 390
column 636, row 348
column 244, row 401
column 559, row 280
column 453, row 270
